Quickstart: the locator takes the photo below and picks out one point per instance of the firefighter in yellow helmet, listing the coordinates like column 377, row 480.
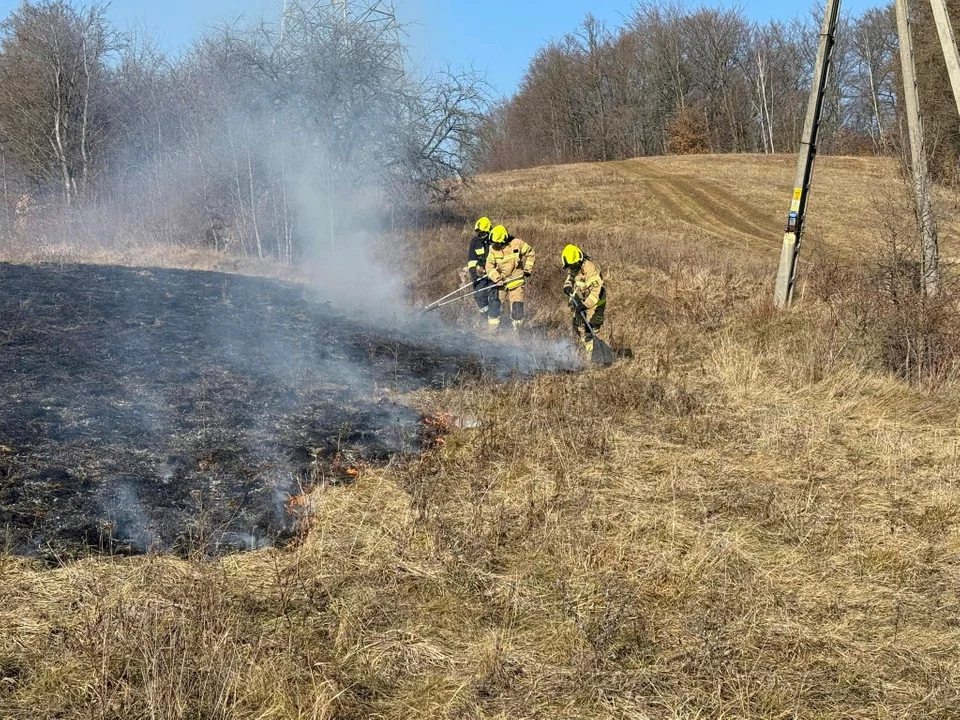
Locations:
column 509, row 264
column 477, row 264
column 588, row 296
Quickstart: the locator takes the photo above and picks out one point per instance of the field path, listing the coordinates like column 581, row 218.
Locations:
column 701, row 203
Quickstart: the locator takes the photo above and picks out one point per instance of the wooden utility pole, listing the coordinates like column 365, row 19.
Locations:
column 787, row 274
column 926, row 221
column 930, row 272
column 949, row 44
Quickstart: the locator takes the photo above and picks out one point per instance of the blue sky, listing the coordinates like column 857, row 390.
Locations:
column 495, row 36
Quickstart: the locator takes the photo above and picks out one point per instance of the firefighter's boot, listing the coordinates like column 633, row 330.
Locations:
column 516, row 314
column 493, row 313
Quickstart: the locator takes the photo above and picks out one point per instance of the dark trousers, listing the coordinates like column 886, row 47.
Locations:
column 488, row 292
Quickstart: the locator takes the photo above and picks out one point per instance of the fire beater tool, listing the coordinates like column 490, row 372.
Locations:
column 602, row 353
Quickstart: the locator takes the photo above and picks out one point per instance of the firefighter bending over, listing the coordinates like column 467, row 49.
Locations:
column 509, row 264
column 588, row 297
column 477, row 265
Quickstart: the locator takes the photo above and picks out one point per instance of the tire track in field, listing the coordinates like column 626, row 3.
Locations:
column 702, row 203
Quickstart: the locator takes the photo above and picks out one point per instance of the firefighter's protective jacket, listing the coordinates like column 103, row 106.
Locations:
column 477, row 256
column 509, row 261
column 587, row 284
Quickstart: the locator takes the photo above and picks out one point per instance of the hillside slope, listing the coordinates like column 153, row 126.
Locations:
column 740, row 201
column 757, row 516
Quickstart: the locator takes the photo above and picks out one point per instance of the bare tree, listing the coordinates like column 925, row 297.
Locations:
column 941, row 125
column 52, row 91
column 592, row 43
column 662, row 72
column 763, row 110
column 5, row 187
column 875, row 58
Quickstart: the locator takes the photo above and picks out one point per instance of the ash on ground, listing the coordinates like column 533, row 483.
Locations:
column 181, row 410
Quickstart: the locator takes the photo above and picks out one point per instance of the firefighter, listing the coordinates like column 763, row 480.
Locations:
column 477, row 264
column 587, row 295
column 509, row 264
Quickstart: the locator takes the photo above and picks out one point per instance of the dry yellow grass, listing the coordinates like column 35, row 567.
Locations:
column 142, row 255
column 736, row 201
column 750, row 519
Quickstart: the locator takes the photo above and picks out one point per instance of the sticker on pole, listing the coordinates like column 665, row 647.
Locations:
column 792, row 222
column 797, row 194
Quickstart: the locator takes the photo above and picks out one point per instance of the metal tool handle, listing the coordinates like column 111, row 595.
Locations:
column 457, row 299
column 462, row 287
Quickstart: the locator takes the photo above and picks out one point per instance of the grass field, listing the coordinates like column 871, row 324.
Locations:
column 737, row 202
column 753, row 518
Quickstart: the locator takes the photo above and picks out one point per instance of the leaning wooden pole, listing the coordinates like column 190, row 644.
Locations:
column 930, row 272
column 790, row 252
column 948, row 42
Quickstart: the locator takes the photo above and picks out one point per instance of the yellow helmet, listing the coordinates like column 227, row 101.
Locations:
column 572, row 255
column 499, row 235
column 483, row 225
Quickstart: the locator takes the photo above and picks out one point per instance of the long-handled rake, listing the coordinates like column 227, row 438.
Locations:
column 435, row 304
column 432, row 306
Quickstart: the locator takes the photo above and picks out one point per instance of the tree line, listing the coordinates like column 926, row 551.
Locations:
column 676, row 79
column 271, row 139
column 265, row 138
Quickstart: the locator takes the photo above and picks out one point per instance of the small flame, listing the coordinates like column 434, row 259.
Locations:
column 441, row 420
column 339, row 468
column 298, row 502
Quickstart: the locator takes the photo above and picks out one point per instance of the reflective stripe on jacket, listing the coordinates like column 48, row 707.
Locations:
column 477, row 255
column 508, row 261
column 588, row 285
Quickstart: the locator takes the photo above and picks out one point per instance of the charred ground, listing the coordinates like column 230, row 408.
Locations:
column 169, row 409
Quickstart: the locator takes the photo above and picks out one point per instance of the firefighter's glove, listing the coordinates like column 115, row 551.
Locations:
column 568, row 291
column 577, row 304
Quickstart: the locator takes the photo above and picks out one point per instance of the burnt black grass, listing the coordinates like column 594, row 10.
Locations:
column 152, row 409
